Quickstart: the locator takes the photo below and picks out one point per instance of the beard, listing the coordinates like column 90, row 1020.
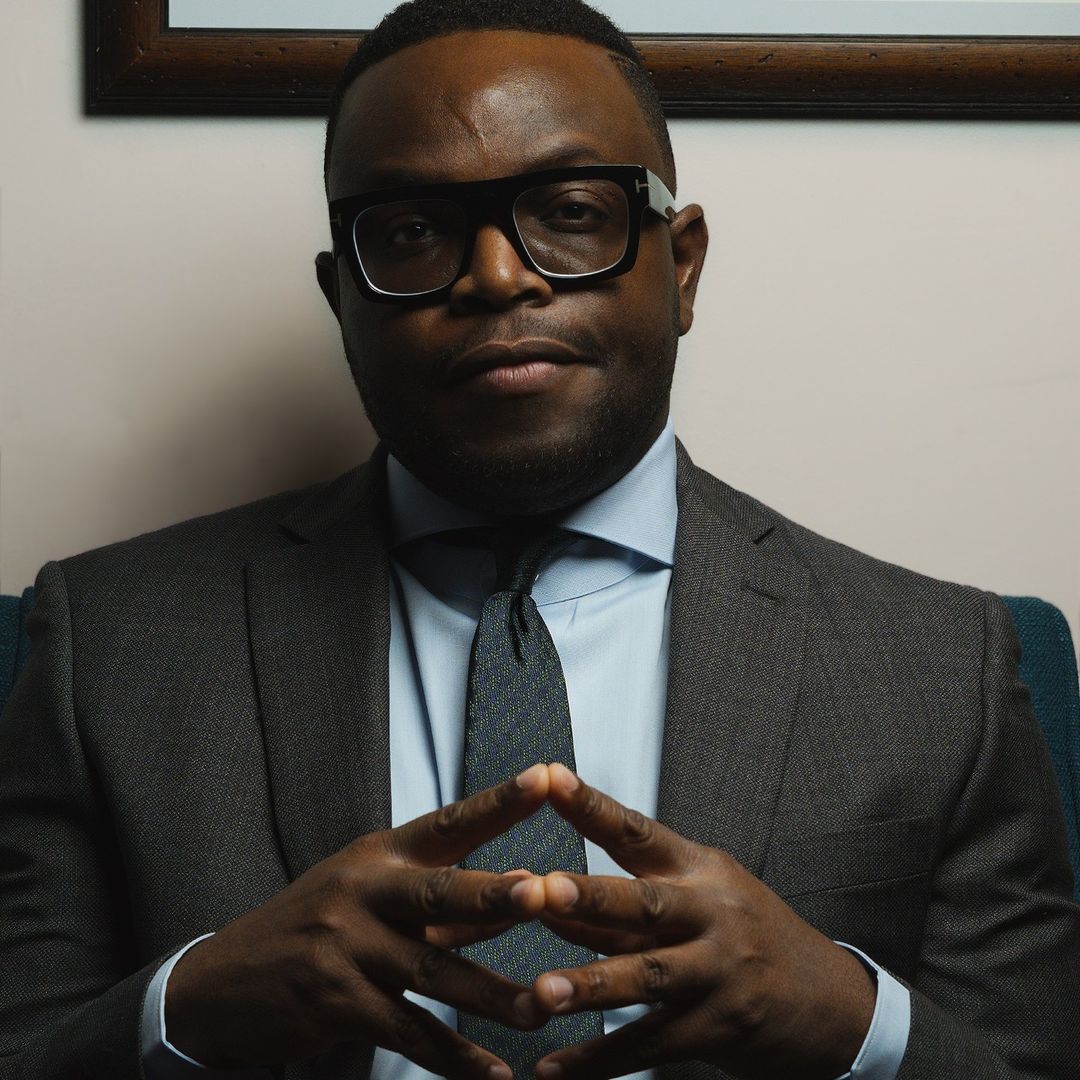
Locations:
column 535, row 469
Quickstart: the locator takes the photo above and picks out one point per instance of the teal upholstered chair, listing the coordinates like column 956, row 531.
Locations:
column 1048, row 667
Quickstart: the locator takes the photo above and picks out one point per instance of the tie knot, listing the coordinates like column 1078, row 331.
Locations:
column 521, row 554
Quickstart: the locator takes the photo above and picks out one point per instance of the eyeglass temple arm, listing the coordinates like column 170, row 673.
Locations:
column 661, row 201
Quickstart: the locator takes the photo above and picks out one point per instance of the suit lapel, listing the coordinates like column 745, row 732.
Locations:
column 738, row 626
column 320, row 635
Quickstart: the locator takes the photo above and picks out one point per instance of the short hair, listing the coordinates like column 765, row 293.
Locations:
column 421, row 20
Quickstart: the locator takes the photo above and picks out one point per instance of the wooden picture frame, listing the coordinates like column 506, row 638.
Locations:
column 136, row 64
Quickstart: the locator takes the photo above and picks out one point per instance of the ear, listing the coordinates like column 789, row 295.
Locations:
column 689, row 242
column 326, row 272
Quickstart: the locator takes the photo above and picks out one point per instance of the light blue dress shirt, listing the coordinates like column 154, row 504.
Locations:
column 606, row 602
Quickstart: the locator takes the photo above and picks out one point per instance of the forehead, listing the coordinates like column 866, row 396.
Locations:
column 480, row 104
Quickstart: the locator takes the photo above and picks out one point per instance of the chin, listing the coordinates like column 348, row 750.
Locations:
column 530, row 473
column 507, row 481
column 535, row 462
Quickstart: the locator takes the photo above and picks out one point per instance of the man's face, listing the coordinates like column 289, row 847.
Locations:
column 531, row 435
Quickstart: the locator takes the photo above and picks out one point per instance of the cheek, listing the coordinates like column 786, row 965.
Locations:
column 649, row 298
column 377, row 335
column 656, row 260
column 356, row 325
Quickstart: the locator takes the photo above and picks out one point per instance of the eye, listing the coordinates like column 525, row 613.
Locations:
column 411, row 233
column 575, row 213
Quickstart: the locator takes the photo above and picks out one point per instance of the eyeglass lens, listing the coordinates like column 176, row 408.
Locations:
column 570, row 228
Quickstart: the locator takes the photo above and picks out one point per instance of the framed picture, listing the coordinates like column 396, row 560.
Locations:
column 722, row 58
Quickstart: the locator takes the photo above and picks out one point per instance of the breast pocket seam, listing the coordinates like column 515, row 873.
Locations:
column 819, row 870
column 853, row 886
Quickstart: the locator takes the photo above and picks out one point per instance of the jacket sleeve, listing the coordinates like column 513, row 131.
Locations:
column 996, row 993
column 71, row 989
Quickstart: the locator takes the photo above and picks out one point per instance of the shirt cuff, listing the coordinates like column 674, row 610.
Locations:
column 163, row 1061
column 886, row 1042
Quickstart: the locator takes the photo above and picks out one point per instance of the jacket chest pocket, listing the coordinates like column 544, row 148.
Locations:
column 867, row 886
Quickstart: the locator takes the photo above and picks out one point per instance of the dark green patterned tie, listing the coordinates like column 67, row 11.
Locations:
column 517, row 714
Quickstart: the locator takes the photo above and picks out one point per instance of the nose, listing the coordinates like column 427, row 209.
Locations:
column 496, row 278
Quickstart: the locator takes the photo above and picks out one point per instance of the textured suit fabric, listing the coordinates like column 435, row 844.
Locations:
column 204, row 716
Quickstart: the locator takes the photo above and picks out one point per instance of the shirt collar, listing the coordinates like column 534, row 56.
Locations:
column 637, row 512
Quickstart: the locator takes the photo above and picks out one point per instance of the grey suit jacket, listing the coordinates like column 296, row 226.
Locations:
column 205, row 716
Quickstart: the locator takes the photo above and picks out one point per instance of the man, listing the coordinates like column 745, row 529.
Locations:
column 235, row 727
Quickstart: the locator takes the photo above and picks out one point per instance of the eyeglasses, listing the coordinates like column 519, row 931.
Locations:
column 574, row 224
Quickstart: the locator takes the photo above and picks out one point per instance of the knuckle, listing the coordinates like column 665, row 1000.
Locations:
column 491, row 999
column 350, row 878
column 362, row 846
column 698, row 860
column 595, row 899
column 430, row 967
column 408, row 1028
column 656, row 979
column 637, row 829
column 592, row 804
column 597, row 982
column 329, row 913
column 653, row 903
column 742, row 1010
column 393, row 844
column 720, row 862
column 448, row 820
column 493, row 898
column 432, row 891
column 753, row 1010
column 504, row 795
column 322, row 967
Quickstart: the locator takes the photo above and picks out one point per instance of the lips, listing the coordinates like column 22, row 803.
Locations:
column 499, row 354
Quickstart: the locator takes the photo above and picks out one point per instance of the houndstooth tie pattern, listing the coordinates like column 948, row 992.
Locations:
column 517, row 714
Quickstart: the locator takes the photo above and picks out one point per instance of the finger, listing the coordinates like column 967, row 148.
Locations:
column 457, row 937
column 413, row 1032
column 647, row 978
column 635, row 904
column 660, row 1037
column 403, row 963
column 634, row 841
column 447, row 835
column 444, row 894
column 598, row 938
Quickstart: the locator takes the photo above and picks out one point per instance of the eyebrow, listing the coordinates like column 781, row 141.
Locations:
column 391, row 175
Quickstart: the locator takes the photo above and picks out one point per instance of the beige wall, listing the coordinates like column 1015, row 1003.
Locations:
column 886, row 346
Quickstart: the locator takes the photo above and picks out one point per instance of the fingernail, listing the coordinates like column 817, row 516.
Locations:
column 530, row 778
column 562, row 890
column 525, row 1010
column 549, row 1070
column 559, row 990
column 569, row 780
column 499, row 1072
column 522, row 890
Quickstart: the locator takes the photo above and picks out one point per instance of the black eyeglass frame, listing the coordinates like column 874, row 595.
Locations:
column 485, row 200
